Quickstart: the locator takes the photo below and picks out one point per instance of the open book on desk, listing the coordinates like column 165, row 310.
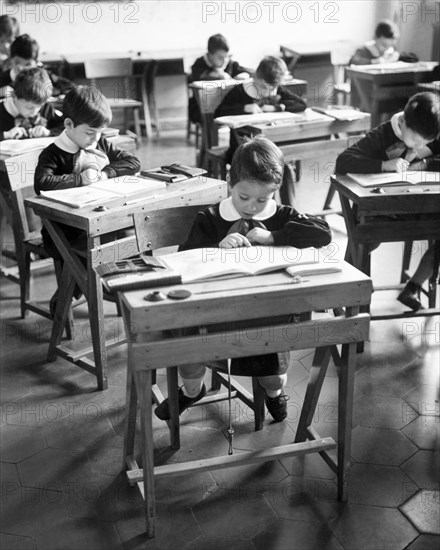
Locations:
column 205, row 264
column 341, row 112
column 395, row 178
column 104, row 191
column 9, row 147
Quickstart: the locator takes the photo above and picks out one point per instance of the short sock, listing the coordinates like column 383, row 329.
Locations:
column 192, row 386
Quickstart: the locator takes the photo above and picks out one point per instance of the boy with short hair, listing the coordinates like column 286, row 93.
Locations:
column 80, row 156
column 25, row 113
column 409, row 141
column 382, row 48
column 24, row 55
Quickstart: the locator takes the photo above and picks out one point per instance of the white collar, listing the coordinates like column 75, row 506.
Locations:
column 230, row 214
column 64, row 142
column 395, row 124
column 11, row 107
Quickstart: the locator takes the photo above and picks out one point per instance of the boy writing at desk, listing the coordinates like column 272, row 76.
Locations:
column 409, row 141
column 80, row 155
column 250, row 216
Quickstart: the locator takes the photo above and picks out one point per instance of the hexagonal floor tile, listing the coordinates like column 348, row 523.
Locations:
column 424, row 399
column 423, row 468
column 381, row 446
column 423, row 510
column 425, row 542
column 424, row 431
column 394, row 380
column 21, row 442
column 372, row 527
column 379, row 485
column 296, row 535
column 375, row 411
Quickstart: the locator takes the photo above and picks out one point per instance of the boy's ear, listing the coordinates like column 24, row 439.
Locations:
column 68, row 123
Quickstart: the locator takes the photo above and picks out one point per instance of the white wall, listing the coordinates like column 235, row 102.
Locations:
column 253, row 28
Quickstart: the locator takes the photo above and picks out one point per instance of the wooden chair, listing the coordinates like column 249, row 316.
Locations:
column 26, row 228
column 155, row 230
column 119, row 96
column 209, row 94
column 291, row 58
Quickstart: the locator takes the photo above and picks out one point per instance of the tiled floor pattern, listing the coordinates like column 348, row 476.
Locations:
column 61, row 445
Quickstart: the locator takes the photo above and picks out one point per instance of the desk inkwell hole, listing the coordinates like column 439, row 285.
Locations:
column 378, row 190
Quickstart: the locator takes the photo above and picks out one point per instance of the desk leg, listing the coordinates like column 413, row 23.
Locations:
column 96, row 315
column 345, row 416
column 144, row 389
column 145, row 103
column 130, row 421
column 317, row 374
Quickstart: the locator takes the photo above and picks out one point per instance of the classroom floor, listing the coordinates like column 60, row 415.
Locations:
column 61, row 440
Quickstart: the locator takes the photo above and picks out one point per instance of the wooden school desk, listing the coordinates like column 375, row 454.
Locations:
column 368, row 218
column 383, row 90
column 230, row 304
column 308, row 139
column 96, row 224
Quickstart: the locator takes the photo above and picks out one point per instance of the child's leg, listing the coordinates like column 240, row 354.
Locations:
column 192, row 378
column 424, row 270
column 273, row 384
column 410, row 295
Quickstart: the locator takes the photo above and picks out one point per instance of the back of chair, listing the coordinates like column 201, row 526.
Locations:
column 108, row 68
column 162, row 228
column 291, row 58
column 21, row 170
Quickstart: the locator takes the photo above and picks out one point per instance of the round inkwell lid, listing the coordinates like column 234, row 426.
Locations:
column 179, row 294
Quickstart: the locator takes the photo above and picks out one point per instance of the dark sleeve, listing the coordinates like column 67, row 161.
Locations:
column 61, row 84
column 433, row 163
column 54, row 121
column 200, row 70
column 365, row 156
column 52, row 172
column 362, row 56
column 5, row 78
column 301, row 232
column 122, row 163
column 233, row 103
column 203, row 233
column 292, row 102
column 234, row 68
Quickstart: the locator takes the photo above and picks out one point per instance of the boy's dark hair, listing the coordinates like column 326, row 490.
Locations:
column 33, row 85
column 217, row 42
column 26, row 47
column 387, row 29
column 271, row 69
column 257, row 159
column 422, row 114
column 87, row 105
column 9, row 26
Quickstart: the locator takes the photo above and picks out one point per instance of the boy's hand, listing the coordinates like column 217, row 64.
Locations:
column 38, row 131
column 268, row 108
column 252, row 108
column 16, row 133
column 260, row 236
column 89, row 176
column 395, row 165
column 419, row 165
column 234, row 240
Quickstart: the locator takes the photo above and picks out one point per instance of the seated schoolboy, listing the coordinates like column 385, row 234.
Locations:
column 24, row 55
column 80, row 156
column 250, row 216
column 382, row 48
column 409, row 141
column 265, row 93
column 9, row 30
column 216, row 64
column 25, row 113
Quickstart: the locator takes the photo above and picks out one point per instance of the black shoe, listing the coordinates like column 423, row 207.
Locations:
column 163, row 410
column 410, row 296
column 277, row 406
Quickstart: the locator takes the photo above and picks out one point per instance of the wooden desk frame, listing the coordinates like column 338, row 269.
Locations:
column 251, row 298
column 96, row 224
column 366, row 214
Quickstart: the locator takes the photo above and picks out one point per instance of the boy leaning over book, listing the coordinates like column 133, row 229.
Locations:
column 409, row 141
column 250, row 216
column 80, row 156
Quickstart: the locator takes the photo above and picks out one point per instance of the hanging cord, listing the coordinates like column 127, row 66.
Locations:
column 230, row 428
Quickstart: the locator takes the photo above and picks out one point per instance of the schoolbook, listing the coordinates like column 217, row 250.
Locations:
column 211, row 263
column 19, row 146
column 394, row 178
column 104, row 191
column 341, row 112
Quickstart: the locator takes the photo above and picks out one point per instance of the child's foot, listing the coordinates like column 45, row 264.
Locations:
column 163, row 411
column 277, row 406
column 410, row 296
